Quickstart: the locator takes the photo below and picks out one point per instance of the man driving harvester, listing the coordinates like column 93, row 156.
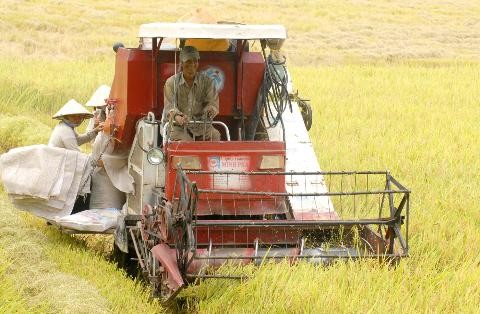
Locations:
column 190, row 95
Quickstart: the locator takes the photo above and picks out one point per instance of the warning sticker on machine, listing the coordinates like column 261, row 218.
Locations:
column 229, row 163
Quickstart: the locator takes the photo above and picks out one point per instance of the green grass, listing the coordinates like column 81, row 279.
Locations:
column 11, row 300
column 346, row 287
column 39, row 88
column 21, row 131
column 46, row 270
column 394, row 85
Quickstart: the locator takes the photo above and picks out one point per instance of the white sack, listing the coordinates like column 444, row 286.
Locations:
column 32, row 170
column 117, row 170
column 96, row 220
column 36, row 183
column 115, row 164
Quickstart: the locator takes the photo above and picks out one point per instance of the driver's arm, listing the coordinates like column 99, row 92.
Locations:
column 169, row 110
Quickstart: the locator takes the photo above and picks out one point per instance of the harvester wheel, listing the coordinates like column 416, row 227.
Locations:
column 146, row 221
column 184, row 242
column 165, row 221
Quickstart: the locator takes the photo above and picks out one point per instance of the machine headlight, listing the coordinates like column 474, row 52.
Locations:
column 272, row 162
column 187, row 162
column 155, row 156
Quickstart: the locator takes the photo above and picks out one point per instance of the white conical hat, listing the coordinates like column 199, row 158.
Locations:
column 98, row 98
column 72, row 107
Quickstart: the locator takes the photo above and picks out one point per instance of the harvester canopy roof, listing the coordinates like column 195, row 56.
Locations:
column 212, row 31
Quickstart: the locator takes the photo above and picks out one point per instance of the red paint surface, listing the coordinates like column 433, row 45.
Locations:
column 245, row 236
column 228, row 204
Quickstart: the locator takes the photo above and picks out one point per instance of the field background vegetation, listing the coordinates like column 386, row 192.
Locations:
column 394, row 85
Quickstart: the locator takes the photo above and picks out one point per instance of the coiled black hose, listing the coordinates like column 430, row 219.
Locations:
column 272, row 98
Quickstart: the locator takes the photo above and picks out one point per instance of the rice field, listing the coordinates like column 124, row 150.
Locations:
column 394, row 85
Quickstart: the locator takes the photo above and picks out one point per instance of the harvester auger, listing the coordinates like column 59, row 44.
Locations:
column 256, row 195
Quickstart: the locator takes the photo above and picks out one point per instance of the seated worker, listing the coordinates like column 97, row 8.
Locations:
column 71, row 115
column 190, row 95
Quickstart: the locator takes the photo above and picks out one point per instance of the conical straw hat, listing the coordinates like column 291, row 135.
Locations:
column 72, row 107
column 98, row 98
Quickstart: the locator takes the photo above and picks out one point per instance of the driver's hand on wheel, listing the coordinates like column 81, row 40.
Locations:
column 180, row 119
column 210, row 112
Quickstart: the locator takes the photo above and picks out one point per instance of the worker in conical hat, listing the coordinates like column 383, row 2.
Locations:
column 98, row 105
column 71, row 115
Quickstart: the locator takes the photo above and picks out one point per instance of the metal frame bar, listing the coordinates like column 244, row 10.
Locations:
column 285, row 172
column 292, row 223
column 300, row 256
column 211, row 191
column 155, row 51
column 165, row 130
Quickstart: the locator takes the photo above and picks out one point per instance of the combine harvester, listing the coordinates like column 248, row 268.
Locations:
column 258, row 194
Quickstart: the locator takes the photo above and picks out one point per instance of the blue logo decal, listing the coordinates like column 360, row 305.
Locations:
column 217, row 75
